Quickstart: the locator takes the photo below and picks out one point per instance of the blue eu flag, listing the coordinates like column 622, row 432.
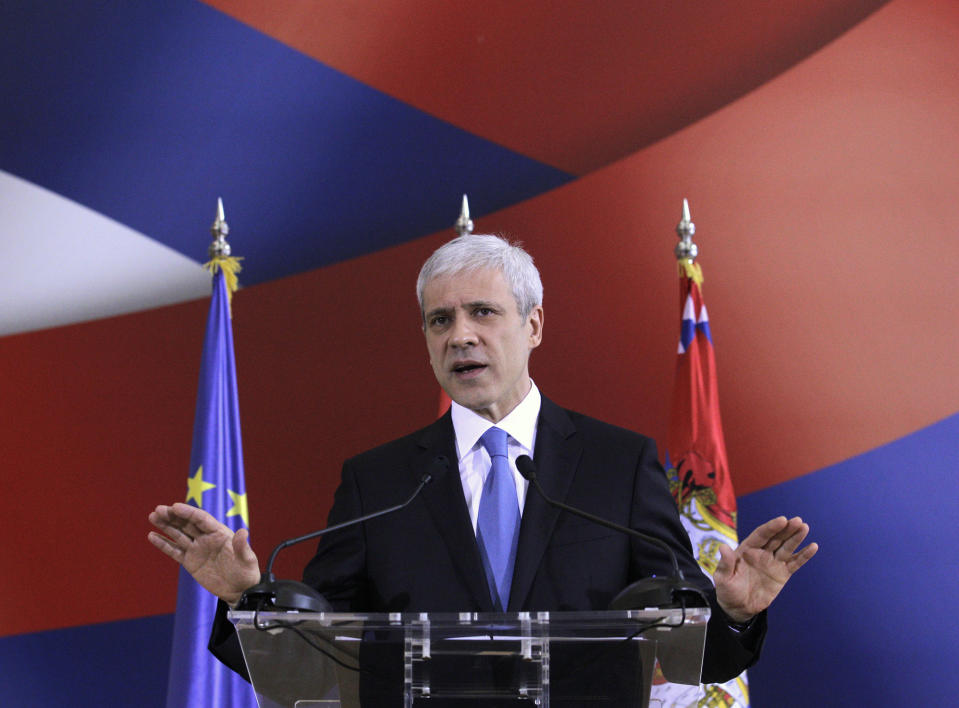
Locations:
column 214, row 483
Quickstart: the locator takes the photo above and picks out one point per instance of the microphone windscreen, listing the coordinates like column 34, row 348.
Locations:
column 526, row 467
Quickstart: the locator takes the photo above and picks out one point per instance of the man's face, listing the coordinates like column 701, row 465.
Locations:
column 479, row 345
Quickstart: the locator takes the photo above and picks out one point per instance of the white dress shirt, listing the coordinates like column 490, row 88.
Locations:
column 474, row 461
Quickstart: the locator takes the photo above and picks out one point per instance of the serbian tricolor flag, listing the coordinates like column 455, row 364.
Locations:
column 698, row 470
column 695, row 446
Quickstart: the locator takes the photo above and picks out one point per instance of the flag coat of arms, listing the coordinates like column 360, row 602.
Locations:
column 215, row 483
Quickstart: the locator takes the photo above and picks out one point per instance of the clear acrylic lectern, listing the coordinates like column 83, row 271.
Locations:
column 434, row 660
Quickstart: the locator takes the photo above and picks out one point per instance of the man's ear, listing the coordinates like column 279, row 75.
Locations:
column 535, row 321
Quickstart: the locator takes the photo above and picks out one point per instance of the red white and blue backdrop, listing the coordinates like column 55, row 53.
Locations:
column 817, row 145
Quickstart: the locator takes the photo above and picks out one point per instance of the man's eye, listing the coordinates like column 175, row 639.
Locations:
column 438, row 321
column 483, row 311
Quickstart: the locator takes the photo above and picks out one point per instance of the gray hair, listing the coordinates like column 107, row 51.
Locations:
column 478, row 251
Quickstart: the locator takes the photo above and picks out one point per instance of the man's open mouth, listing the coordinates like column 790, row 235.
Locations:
column 467, row 367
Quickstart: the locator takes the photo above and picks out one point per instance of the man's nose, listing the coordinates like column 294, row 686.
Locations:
column 462, row 334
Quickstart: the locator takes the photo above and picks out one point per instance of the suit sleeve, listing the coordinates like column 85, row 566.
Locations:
column 729, row 651
column 224, row 642
column 336, row 571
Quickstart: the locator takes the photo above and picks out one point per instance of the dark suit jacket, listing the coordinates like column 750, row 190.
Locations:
column 425, row 557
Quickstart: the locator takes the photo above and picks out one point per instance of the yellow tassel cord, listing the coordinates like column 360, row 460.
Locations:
column 230, row 265
column 690, row 269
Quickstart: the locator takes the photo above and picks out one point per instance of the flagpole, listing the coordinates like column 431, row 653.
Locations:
column 696, row 457
column 215, row 483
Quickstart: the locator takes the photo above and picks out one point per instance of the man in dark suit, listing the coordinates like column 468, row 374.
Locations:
column 481, row 301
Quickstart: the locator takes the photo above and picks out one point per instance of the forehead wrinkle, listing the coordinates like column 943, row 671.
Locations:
column 491, row 304
column 444, row 309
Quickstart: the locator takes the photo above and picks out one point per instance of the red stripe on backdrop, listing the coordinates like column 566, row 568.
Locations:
column 97, row 431
column 609, row 78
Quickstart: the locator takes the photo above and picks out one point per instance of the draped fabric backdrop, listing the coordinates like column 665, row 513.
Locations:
column 816, row 143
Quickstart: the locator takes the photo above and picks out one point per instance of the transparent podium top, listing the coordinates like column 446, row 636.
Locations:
column 330, row 659
column 558, row 625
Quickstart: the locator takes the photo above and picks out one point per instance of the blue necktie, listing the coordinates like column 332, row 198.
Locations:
column 497, row 526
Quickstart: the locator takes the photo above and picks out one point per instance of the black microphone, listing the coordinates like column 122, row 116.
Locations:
column 647, row 592
column 271, row 593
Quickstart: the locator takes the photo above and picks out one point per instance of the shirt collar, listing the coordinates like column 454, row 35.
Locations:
column 520, row 423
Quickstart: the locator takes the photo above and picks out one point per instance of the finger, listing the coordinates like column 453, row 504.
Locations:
column 161, row 542
column 170, row 516
column 762, row 535
column 179, row 537
column 793, row 541
column 727, row 560
column 173, row 525
column 194, row 521
column 798, row 560
column 241, row 546
column 170, row 531
column 160, row 516
column 161, row 511
column 776, row 542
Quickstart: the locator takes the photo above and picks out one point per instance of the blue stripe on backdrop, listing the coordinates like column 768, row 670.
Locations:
column 111, row 664
column 869, row 621
column 147, row 111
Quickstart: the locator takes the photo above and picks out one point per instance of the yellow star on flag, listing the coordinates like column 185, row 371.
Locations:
column 195, row 486
column 239, row 507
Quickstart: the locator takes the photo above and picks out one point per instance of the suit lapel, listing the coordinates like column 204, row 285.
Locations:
column 445, row 501
column 557, row 455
